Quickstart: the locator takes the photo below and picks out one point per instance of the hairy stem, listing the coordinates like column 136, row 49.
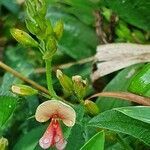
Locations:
column 49, row 79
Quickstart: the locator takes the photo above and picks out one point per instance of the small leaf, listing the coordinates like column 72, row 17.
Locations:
column 7, row 107
column 97, row 141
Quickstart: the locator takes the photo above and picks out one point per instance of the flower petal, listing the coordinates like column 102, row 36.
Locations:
column 60, row 145
column 47, row 139
column 52, row 108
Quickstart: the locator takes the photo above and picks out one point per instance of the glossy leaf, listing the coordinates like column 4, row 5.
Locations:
column 120, row 120
column 96, row 142
column 132, row 11
column 7, row 107
column 141, row 113
column 140, row 83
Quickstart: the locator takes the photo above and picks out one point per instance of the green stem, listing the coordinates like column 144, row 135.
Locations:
column 49, row 79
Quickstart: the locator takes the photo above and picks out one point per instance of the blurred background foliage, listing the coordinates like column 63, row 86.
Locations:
column 120, row 20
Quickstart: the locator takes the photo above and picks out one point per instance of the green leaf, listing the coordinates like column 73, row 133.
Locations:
column 97, row 141
column 141, row 113
column 132, row 11
column 11, row 5
column 76, row 132
column 119, row 83
column 7, row 107
column 76, row 137
column 78, row 40
column 29, row 141
column 120, row 120
column 83, row 10
column 140, row 83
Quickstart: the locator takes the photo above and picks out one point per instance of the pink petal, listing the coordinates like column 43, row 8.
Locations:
column 47, row 139
column 59, row 141
column 61, row 144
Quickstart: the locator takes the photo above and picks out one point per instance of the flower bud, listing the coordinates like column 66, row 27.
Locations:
column 3, row 143
column 80, row 86
column 91, row 107
column 65, row 82
column 23, row 90
column 58, row 29
column 23, row 38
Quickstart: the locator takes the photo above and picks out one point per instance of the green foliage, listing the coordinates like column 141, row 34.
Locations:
column 140, row 83
column 119, row 83
column 7, row 107
column 10, row 5
column 74, row 42
column 69, row 31
column 96, row 142
column 120, row 120
column 25, row 142
column 134, row 12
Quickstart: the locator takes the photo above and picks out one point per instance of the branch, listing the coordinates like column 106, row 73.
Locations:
column 20, row 76
column 125, row 96
column 67, row 65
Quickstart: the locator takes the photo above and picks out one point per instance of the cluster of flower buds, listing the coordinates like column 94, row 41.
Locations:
column 41, row 27
column 79, row 87
column 75, row 85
